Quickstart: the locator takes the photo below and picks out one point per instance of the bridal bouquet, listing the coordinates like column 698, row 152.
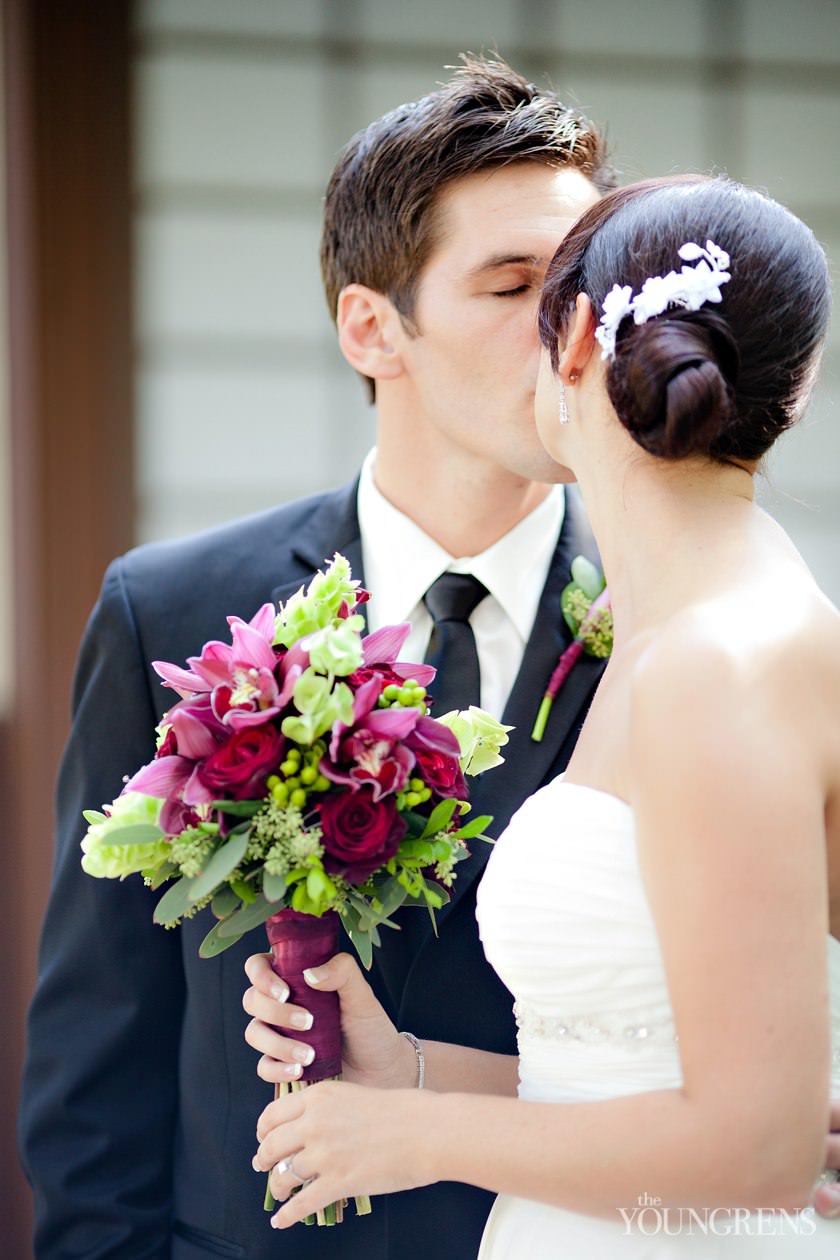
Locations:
column 299, row 782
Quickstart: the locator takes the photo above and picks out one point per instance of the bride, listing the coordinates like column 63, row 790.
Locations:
column 662, row 912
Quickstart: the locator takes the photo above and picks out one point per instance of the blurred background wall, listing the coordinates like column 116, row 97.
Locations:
column 240, row 110
column 167, row 360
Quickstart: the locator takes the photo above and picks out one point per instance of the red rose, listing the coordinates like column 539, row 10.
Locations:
column 238, row 770
column 360, row 834
column 441, row 773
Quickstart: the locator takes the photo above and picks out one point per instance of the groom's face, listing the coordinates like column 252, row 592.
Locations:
column 473, row 365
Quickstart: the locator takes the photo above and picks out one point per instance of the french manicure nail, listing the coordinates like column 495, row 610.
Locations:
column 314, row 975
column 304, row 1054
column 302, row 1020
column 293, row 1069
column 280, row 991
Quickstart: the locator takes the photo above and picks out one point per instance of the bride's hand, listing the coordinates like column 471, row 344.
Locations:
column 342, row 1140
column 373, row 1052
column 827, row 1197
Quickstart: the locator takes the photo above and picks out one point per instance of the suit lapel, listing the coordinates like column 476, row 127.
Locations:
column 333, row 526
column 500, row 792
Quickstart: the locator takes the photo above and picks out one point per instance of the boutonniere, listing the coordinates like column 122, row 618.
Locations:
column 585, row 604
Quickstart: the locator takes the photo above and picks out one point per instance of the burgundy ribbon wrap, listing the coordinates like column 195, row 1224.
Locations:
column 299, row 941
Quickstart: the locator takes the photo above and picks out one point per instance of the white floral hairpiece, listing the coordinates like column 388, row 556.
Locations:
column 691, row 288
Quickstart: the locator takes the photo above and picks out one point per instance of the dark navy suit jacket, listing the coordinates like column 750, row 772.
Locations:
column 140, row 1095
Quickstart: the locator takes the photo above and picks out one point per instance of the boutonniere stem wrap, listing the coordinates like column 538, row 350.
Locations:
column 585, row 603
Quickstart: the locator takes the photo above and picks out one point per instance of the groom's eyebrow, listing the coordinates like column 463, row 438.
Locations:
column 496, row 261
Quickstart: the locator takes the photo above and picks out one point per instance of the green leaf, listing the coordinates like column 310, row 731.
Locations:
column 241, row 921
column 436, row 894
column 214, row 943
column 392, row 895
column 364, row 948
column 135, row 833
column 174, row 902
column 94, row 816
column 240, row 809
column 274, row 887
column 416, row 851
column 474, row 827
column 223, row 861
column 440, row 818
column 162, row 874
column 244, row 890
column 225, row 902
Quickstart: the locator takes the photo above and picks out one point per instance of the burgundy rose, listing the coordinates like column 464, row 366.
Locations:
column 360, row 834
column 238, row 769
column 442, row 773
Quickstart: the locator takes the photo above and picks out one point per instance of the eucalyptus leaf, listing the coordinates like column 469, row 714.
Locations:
column 392, row 895
column 241, row 921
column 364, row 948
column 223, row 861
column 214, row 943
column 174, row 902
column 225, row 902
column 162, row 874
column 240, row 809
column 275, row 887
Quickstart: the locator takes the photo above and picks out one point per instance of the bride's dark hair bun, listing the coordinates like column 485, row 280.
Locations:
column 723, row 381
column 672, row 384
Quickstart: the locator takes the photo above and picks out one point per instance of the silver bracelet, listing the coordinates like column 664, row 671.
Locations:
column 421, row 1058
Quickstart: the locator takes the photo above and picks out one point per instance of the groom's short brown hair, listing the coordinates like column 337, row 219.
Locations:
column 379, row 220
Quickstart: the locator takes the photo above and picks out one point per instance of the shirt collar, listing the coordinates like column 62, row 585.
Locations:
column 401, row 561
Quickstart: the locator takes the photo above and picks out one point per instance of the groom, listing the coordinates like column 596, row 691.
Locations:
column 140, row 1096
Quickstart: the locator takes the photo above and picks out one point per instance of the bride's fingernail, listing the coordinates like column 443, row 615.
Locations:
column 304, row 1054
column 280, row 991
column 302, row 1020
column 314, row 975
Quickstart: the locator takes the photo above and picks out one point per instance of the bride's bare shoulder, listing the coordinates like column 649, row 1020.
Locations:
column 759, row 655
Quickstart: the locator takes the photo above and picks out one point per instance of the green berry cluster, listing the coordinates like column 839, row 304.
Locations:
column 409, row 696
column 298, row 776
column 415, row 793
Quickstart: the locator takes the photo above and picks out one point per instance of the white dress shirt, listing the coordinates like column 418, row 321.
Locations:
column 401, row 562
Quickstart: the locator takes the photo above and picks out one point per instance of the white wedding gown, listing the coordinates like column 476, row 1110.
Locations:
column 565, row 922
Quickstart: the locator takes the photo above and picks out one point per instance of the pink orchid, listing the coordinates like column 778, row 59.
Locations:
column 382, row 647
column 371, row 752
column 240, row 676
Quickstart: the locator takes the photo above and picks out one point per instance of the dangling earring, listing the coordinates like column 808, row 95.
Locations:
column 562, row 408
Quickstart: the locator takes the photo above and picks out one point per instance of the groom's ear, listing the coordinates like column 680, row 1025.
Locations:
column 368, row 332
column 580, row 341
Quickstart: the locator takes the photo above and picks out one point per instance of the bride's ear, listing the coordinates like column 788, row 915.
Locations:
column 580, row 341
column 368, row 332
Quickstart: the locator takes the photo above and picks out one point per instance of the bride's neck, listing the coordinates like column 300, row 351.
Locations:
column 665, row 529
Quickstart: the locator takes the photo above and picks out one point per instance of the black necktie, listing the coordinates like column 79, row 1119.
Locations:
column 450, row 602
